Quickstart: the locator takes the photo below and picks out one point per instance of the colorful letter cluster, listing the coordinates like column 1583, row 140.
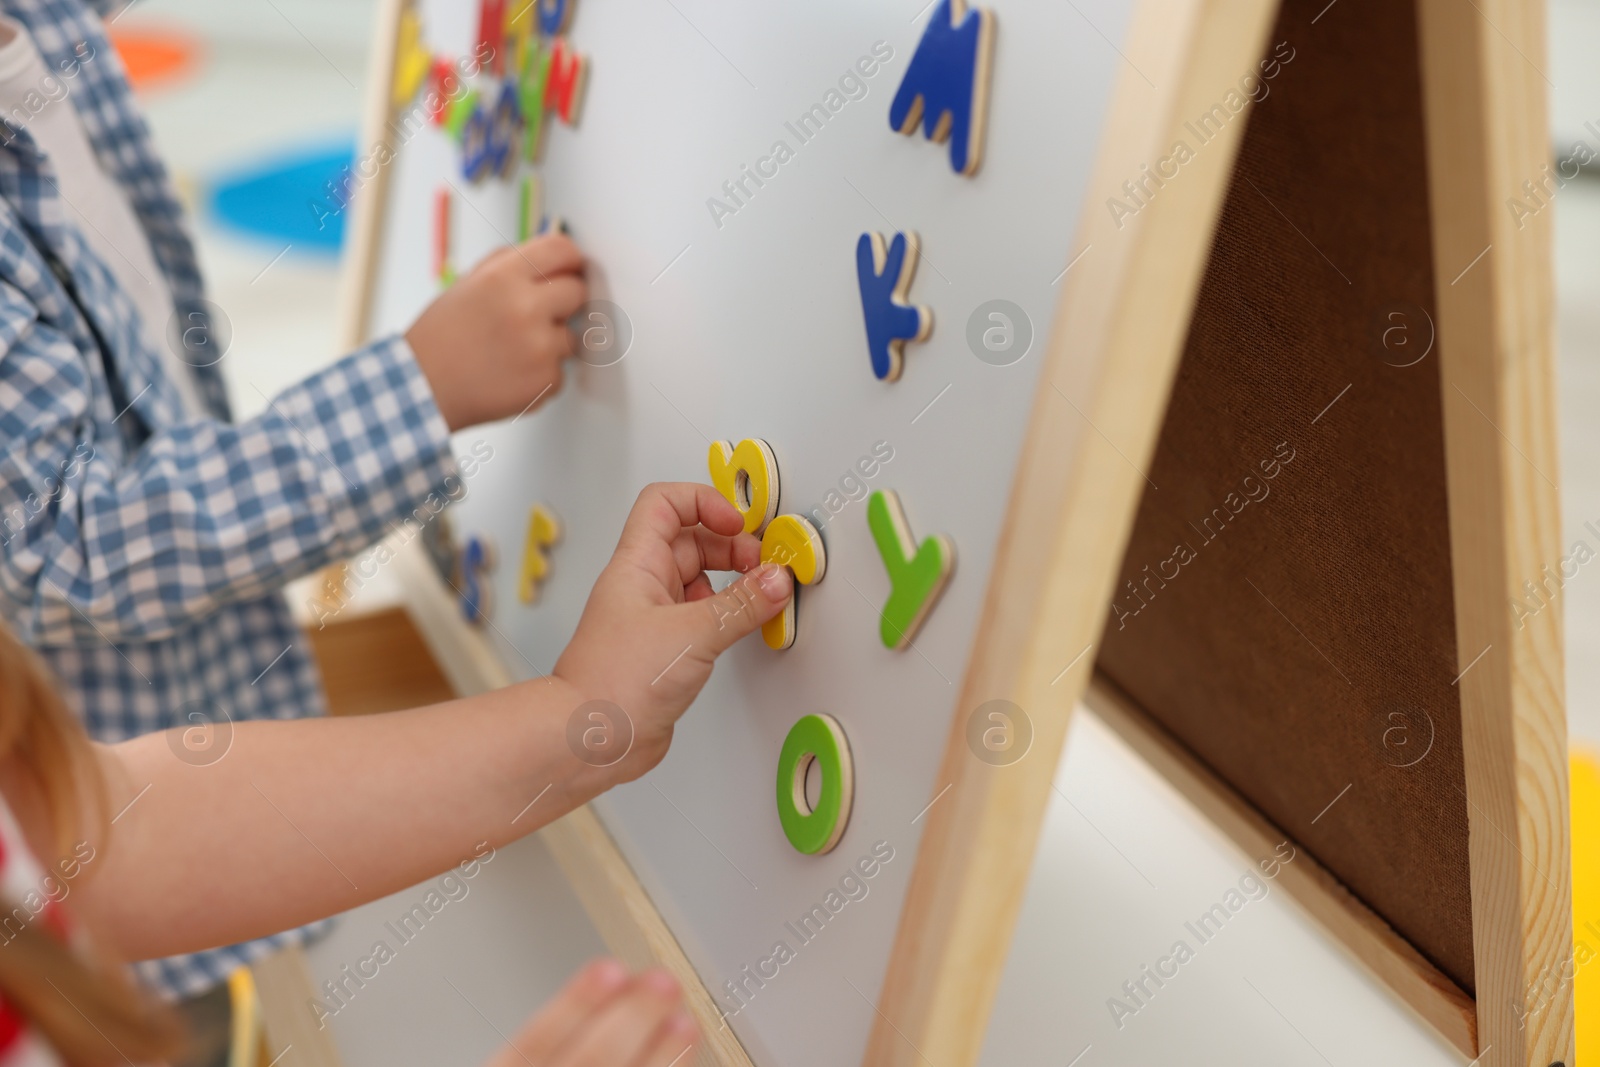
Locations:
column 469, row 567
column 945, row 91
column 527, row 68
column 531, row 70
column 746, row 474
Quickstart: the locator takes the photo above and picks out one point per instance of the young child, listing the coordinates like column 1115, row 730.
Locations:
column 263, row 848
column 145, row 538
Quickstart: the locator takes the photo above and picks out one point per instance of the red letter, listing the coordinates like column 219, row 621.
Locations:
column 563, row 90
column 446, row 83
column 441, row 234
column 491, row 31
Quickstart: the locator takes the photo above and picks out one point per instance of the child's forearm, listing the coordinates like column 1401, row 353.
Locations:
column 299, row 820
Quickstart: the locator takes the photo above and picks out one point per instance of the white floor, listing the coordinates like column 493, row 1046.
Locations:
column 499, row 945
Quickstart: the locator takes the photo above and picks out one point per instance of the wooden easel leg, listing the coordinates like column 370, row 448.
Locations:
column 1484, row 97
column 283, row 982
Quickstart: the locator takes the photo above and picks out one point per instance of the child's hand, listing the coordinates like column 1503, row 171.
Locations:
column 493, row 342
column 653, row 628
column 605, row 1018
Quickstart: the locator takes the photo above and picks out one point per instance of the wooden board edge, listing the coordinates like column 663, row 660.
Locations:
column 1484, row 103
column 1104, row 386
column 364, row 238
column 1387, row 957
column 630, row 925
column 284, row 986
column 464, row 653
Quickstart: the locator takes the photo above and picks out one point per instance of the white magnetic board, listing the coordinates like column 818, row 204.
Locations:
column 753, row 328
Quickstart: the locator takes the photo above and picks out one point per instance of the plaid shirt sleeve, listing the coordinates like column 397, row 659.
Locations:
column 132, row 547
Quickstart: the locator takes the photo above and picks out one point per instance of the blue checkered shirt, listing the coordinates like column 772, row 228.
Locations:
column 145, row 550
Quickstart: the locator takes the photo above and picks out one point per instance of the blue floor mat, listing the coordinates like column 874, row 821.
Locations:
column 286, row 198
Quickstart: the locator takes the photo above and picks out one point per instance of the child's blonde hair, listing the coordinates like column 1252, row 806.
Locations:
column 86, row 1009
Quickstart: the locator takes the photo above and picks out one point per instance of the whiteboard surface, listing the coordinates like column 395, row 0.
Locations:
column 754, row 329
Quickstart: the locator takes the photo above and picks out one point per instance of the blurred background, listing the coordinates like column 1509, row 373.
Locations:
column 256, row 105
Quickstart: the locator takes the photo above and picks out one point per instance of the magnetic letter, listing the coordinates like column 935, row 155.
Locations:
column 747, row 476
column 819, row 739
column 544, row 530
column 533, row 76
column 563, row 90
column 412, row 61
column 554, row 15
column 794, row 543
column 491, row 31
column 441, row 238
column 946, row 84
column 917, row 573
column 477, row 560
column 884, row 274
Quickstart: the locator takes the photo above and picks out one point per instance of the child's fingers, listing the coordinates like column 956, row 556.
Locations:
column 550, row 255
column 563, row 295
column 744, row 553
column 563, row 1017
column 673, row 1043
column 698, row 589
column 738, row 610
column 561, row 340
column 665, row 508
column 499, row 257
column 699, row 549
column 625, row 1029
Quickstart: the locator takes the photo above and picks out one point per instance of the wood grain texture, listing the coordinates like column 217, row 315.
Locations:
column 1392, row 960
column 1310, row 629
column 631, row 926
column 284, row 985
column 363, row 239
column 1108, row 370
column 1484, row 93
column 376, row 661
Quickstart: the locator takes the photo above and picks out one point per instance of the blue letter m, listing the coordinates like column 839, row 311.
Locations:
column 946, row 85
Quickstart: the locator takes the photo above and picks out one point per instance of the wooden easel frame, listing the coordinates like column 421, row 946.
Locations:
column 1114, row 348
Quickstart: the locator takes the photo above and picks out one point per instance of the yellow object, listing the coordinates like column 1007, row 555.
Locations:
column 245, row 1043
column 518, row 30
column 544, row 530
column 747, row 475
column 1586, row 901
column 411, row 59
column 794, row 543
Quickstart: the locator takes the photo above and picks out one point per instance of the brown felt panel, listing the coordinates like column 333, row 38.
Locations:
column 1304, row 641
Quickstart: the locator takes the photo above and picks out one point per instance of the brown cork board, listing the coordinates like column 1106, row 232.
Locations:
column 1285, row 604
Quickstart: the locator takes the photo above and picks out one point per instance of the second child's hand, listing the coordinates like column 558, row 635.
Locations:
column 605, row 1018
column 491, row 345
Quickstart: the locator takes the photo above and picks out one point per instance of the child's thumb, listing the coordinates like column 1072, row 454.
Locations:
column 745, row 605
